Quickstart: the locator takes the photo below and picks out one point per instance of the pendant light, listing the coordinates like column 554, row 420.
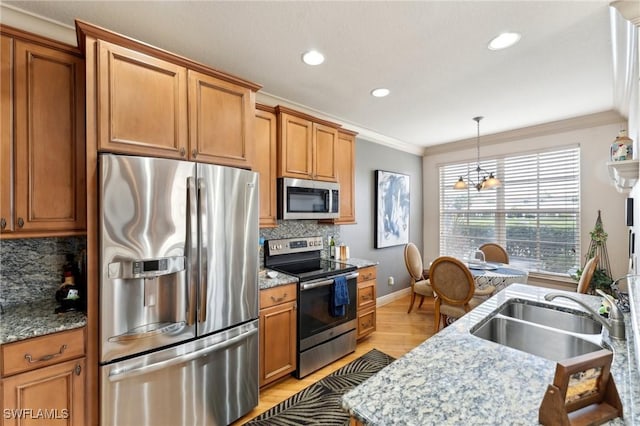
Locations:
column 488, row 180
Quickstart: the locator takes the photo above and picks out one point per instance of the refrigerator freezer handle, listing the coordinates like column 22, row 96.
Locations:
column 117, row 375
column 191, row 245
column 203, row 255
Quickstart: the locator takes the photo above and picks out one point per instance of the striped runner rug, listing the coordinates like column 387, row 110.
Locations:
column 319, row 403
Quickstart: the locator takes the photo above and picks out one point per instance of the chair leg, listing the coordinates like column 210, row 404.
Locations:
column 421, row 301
column 413, row 299
column 436, row 318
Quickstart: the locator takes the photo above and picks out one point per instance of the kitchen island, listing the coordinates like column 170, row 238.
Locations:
column 455, row 378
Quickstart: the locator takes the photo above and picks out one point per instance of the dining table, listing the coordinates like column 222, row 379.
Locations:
column 495, row 274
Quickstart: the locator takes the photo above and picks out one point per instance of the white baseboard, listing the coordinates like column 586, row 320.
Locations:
column 388, row 298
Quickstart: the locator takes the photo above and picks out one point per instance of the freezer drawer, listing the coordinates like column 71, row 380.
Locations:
column 208, row 381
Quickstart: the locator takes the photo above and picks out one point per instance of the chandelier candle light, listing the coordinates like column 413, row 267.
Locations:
column 486, row 182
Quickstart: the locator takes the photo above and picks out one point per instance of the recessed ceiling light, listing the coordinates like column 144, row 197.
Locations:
column 503, row 41
column 313, row 57
column 380, row 92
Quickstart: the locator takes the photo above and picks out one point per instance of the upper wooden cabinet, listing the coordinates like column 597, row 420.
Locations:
column 265, row 163
column 306, row 146
column 43, row 161
column 152, row 102
column 345, row 166
column 142, row 103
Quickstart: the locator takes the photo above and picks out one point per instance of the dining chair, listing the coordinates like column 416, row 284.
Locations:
column 455, row 289
column 419, row 285
column 494, row 252
column 587, row 274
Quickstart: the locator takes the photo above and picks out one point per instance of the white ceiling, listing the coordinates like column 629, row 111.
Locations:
column 431, row 55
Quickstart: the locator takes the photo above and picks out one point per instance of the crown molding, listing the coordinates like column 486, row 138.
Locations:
column 36, row 24
column 363, row 133
column 551, row 128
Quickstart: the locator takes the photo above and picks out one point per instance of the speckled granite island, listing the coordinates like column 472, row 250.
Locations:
column 455, row 378
column 38, row 318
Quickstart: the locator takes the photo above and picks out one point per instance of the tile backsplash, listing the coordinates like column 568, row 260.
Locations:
column 300, row 228
column 31, row 268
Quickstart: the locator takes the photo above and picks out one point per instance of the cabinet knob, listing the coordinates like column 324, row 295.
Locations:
column 194, row 153
column 20, row 222
column 3, row 223
column 183, row 152
column 77, row 370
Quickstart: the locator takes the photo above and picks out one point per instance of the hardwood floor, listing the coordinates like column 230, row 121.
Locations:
column 396, row 334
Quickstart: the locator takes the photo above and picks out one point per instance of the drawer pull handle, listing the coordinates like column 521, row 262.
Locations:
column 77, row 370
column 20, row 222
column 3, row 223
column 367, row 297
column 279, row 299
column 49, row 357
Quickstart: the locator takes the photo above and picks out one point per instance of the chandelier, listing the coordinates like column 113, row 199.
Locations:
column 488, row 180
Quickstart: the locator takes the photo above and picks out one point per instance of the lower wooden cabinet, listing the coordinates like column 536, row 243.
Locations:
column 366, row 301
column 278, row 308
column 43, row 380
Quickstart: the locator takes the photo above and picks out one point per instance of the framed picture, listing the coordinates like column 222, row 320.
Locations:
column 582, row 380
column 392, row 209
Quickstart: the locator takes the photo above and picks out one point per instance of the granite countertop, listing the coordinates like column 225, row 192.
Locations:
column 455, row 378
column 38, row 318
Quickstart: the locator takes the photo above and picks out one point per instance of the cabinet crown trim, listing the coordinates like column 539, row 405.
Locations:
column 282, row 109
column 85, row 29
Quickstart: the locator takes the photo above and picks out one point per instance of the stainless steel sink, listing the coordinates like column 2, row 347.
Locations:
column 573, row 321
column 531, row 338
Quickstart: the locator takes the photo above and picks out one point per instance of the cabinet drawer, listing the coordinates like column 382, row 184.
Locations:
column 41, row 351
column 366, row 274
column 276, row 295
column 366, row 323
column 366, row 294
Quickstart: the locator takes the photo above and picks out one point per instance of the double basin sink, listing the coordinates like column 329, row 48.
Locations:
column 548, row 331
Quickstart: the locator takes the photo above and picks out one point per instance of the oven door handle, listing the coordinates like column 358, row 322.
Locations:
column 325, row 282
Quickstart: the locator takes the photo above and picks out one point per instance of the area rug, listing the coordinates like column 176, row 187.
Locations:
column 319, row 404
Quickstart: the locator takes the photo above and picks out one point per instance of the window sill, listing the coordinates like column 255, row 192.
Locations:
column 552, row 281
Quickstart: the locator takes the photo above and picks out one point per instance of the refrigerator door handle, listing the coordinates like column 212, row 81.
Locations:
column 203, row 247
column 191, row 246
column 120, row 374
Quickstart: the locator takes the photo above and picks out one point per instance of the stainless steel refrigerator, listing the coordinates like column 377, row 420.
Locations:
column 178, row 292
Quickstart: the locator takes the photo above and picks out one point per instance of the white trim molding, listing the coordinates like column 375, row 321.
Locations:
column 392, row 297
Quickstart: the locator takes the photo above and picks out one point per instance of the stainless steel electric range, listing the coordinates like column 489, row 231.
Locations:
column 322, row 337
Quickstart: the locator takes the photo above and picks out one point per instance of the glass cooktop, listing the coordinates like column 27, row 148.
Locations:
column 307, row 270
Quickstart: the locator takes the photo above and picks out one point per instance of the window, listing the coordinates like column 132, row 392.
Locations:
column 535, row 214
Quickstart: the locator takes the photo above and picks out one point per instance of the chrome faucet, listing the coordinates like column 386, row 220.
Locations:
column 615, row 324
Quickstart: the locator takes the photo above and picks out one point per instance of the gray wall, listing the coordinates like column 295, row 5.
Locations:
column 360, row 237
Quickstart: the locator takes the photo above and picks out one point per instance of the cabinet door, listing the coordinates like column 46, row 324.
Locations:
column 278, row 342
column 51, row 395
column 142, row 103
column 296, row 150
column 325, row 140
column 221, row 116
column 49, row 146
column 265, row 164
column 345, row 168
column 6, row 139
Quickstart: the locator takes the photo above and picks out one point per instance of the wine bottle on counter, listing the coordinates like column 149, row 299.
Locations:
column 332, row 248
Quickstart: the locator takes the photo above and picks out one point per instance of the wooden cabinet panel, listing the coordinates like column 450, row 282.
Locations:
column 42, row 351
column 367, row 274
column 142, row 103
column 296, row 149
column 325, row 141
column 278, row 342
column 265, row 164
column 49, row 189
column 366, row 323
column 221, row 124
column 278, row 328
column 51, row 395
column 345, row 170
column 6, row 138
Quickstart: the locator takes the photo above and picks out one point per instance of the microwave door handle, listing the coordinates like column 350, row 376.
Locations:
column 118, row 375
column 191, row 246
column 203, row 250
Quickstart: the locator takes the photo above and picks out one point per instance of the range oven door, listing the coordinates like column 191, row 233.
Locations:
column 315, row 322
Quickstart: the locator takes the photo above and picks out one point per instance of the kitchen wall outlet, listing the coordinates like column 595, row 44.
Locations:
column 390, row 281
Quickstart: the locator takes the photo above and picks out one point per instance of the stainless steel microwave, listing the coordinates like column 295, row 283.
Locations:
column 308, row 199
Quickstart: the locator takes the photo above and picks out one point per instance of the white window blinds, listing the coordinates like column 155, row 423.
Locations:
column 535, row 214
